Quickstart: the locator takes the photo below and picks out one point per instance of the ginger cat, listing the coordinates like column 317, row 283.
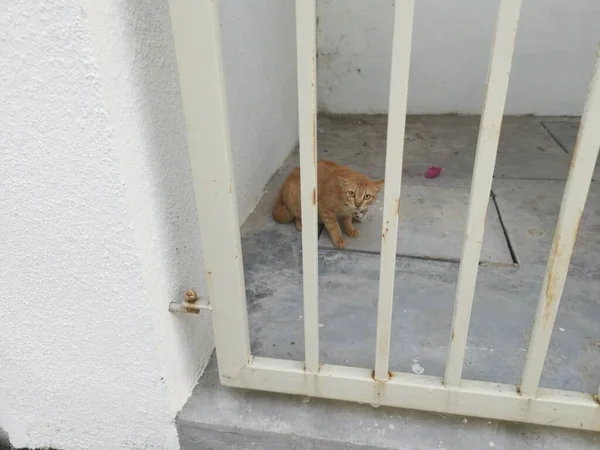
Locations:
column 343, row 193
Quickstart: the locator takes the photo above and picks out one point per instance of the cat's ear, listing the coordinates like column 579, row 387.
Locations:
column 378, row 184
column 345, row 184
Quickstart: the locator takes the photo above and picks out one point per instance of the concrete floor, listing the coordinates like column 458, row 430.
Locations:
column 529, row 181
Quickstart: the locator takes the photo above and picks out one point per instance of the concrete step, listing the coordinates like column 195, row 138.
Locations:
column 216, row 417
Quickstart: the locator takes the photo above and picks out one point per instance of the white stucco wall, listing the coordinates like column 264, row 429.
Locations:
column 259, row 49
column 97, row 216
column 553, row 60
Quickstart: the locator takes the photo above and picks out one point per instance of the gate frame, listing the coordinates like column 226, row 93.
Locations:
column 196, row 30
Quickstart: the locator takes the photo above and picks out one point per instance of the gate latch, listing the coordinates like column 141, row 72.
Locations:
column 190, row 304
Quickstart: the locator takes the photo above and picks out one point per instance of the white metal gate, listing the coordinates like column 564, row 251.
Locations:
column 196, row 29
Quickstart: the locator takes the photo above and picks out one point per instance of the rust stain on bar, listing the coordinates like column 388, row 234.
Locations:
column 209, row 280
column 314, row 141
column 386, row 230
column 575, row 151
column 390, row 376
column 191, row 309
column 550, row 286
column 314, row 121
column 576, row 230
column 550, row 291
column 551, row 294
column 314, row 196
column 385, row 233
column 398, row 206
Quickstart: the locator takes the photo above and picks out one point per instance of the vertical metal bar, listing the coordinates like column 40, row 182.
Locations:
column 481, row 184
column 571, row 209
column 306, row 42
column 196, row 32
column 402, row 41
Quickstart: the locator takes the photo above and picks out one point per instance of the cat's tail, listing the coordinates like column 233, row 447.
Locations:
column 281, row 213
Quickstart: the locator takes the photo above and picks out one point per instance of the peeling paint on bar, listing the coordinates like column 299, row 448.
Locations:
column 481, row 184
column 196, row 34
column 577, row 186
column 401, row 49
column 306, row 42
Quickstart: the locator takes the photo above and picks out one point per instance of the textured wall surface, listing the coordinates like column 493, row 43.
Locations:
column 259, row 49
column 78, row 356
column 553, row 60
column 97, row 215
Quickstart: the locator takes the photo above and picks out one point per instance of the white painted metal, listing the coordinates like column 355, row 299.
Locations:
column 474, row 398
column 571, row 209
column 306, row 42
column 197, row 42
column 198, row 46
column 403, row 25
column 185, row 307
column 481, row 184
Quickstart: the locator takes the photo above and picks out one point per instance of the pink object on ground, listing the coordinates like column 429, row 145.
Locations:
column 433, row 172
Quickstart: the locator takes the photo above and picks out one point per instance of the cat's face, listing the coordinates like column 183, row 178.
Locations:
column 359, row 193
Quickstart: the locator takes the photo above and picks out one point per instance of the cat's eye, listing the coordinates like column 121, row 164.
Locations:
column 351, row 194
column 368, row 196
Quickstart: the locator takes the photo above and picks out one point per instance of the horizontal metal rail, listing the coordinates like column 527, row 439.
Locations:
column 421, row 392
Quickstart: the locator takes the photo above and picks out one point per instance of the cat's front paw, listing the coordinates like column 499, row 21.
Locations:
column 353, row 233
column 339, row 243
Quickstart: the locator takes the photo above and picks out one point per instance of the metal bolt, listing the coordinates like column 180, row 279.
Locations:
column 191, row 296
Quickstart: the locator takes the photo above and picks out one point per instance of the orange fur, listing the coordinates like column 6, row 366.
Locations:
column 342, row 192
